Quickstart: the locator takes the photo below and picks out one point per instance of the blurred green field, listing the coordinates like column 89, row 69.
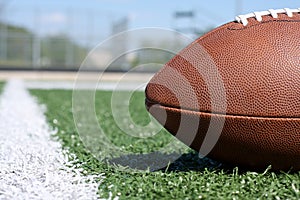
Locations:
column 189, row 177
column 1, row 85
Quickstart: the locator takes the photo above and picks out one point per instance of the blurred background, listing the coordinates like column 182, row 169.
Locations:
column 57, row 35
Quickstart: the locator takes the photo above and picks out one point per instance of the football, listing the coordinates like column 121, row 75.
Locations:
column 234, row 93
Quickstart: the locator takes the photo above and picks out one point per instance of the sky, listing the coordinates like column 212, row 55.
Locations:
column 92, row 19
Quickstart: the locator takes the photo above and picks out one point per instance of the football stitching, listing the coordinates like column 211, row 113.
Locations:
column 243, row 19
column 263, row 22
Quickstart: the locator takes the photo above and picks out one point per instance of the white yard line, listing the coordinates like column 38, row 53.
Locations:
column 32, row 166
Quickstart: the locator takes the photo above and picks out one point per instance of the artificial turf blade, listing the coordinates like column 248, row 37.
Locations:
column 189, row 177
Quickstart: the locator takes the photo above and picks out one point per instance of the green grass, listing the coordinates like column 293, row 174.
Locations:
column 1, row 86
column 187, row 178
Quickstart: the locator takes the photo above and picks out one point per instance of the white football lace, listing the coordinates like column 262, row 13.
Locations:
column 258, row 15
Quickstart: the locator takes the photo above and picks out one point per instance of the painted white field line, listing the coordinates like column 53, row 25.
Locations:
column 32, row 166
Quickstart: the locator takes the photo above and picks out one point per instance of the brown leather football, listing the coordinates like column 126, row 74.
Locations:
column 234, row 93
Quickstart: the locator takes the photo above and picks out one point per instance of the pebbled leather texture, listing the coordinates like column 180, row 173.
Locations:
column 259, row 65
column 250, row 142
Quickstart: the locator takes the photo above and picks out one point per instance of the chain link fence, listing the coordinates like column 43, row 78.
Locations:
column 51, row 39
column 61, row 39
column 22, row 49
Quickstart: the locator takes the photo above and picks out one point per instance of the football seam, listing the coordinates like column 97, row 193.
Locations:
column 150, row 103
